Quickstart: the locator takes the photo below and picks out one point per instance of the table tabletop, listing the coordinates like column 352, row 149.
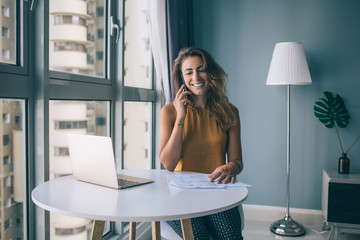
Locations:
column 150, row 202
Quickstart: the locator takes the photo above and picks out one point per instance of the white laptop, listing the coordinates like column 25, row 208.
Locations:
column 93, row 161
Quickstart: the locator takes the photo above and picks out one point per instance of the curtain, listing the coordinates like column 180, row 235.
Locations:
column 156, row 10
column 180, row 29
column 171, row 28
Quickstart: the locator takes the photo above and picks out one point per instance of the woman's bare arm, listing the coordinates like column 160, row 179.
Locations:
column 227, row 172
column 171, row 116
column 170, row 138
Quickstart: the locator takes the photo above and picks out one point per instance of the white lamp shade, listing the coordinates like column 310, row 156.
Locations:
column 288, row 65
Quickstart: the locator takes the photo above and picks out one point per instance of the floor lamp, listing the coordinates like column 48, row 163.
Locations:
column 288, row 67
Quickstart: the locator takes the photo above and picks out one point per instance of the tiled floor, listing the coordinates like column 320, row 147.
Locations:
column 259, row 230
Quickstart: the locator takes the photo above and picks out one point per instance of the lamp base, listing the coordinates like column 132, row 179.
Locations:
column 287, row 227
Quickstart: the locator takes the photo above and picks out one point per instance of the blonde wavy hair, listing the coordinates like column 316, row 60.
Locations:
column 217, row 101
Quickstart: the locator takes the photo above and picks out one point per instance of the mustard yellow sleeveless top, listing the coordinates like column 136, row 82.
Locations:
column 204, row 142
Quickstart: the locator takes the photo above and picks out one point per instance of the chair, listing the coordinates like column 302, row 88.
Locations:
column 169, row 234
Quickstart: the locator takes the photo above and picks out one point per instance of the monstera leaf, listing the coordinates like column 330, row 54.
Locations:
column 331, row 110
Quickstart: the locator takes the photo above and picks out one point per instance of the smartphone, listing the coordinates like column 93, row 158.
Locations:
column 185, row 87
column 189, row 97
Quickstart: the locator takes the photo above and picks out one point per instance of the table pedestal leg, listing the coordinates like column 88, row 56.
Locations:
column 187, row 229
column 132, row 230
column 97, row 230
column 155, row 226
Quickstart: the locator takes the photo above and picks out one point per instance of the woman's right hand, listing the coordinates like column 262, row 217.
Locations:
column 181, row 101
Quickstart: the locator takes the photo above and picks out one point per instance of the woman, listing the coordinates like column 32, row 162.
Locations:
column 198, row 130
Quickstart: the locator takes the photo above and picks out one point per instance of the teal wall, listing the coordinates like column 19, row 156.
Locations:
column 241, row 35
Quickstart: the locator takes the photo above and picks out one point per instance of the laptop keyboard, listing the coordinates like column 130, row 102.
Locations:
column 126, row 183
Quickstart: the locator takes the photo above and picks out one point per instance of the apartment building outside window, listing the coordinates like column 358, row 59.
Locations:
column 12, row 170
column 76, row 23
column 71, row 117
column 9, row 19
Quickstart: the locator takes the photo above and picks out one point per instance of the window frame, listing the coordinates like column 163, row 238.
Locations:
column 54, row 75
column 35, row 83
column 47, row 86
column 54, row 85
column 125, row 93
column 21, row 67
column 136, row 94
column 15, row 84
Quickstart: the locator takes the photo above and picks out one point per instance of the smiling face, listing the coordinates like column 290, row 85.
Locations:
column 195, row 76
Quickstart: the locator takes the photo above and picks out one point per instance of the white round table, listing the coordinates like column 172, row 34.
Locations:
column 152, row 202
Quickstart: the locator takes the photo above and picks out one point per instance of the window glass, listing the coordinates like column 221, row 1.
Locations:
column 137, row 52
column 137, row 135
column 83, row 117
column 12, row 170
column 77, row 35
column 8, row 32
column 69, row 46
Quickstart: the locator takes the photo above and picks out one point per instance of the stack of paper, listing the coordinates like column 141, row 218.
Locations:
column 198, row 180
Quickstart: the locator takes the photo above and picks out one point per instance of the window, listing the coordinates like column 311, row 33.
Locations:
column 5, row 32
column 61, row 151
column 100, row 11
column 6, row 160
column 69, row 19
column 73, row 27
column 100, row 121
column 8, row 32
column 8, row 181
column 82, row 118
column 71, row 124
column 99, row 55
column 6, row 117
column 85, row 83
column 146, row 126
column 137, row 55
column 6, row 54
column 6, row 140
column 7, row 224
column 12, row 170
column 100, row 33
column 136, row 137
column 18, row 120
column 5, row 11
column 69, row 46
column 137, row 74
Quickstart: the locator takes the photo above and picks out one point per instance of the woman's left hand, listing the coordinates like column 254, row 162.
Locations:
column 224, row 174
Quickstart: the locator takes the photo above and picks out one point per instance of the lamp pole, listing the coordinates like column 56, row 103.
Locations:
column 288, row 151
column 287, row 226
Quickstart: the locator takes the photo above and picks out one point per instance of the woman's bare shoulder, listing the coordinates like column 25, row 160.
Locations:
column 168, row 110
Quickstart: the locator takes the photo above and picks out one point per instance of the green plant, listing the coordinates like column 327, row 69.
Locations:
column 332, row 112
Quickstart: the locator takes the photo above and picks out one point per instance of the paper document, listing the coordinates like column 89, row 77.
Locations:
column 198, row 180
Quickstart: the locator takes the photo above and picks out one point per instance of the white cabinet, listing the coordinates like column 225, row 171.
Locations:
column 341, row 201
